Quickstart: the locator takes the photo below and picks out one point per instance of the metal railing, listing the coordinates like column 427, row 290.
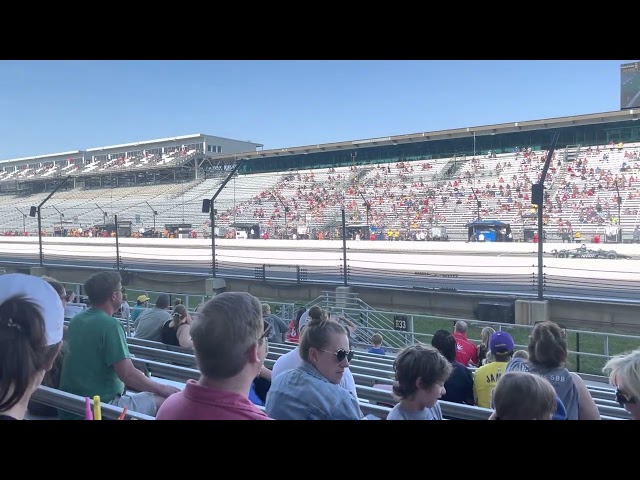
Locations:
column 76, row 404
column 356, row 267
column 284, row 309
column 588, row 350
column 581, row 343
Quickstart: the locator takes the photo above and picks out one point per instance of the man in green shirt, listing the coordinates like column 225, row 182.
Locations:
column 98, row 361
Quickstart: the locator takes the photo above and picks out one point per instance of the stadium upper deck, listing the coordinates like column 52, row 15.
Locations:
column 165, row 154
column 182, row 158
column 585, row 130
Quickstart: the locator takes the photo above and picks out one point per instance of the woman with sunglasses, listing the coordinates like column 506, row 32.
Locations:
column 624, row 374
column 311, row 391
column 292, row 359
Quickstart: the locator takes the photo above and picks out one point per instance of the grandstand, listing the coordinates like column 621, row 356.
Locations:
column 411, row 183
column 146, row 161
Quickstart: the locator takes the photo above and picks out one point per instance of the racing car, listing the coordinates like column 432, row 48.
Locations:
column 583, row 252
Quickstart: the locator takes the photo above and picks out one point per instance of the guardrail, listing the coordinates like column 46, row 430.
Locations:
column 76, row 404
column 582, row 343
column 588, row 350
column 520, row 278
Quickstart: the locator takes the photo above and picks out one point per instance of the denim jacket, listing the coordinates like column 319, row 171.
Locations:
column 304, row 394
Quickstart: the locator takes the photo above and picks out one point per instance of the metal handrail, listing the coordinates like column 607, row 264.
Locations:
column 76, row 404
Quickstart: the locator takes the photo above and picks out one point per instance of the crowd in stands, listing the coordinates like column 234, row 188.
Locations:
column 229, row 337
column 408, row 197
column 418, row 199
column 15, row 233
column 99, row 232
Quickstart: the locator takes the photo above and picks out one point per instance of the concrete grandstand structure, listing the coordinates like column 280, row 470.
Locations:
column 35, row 173
column 412, row 183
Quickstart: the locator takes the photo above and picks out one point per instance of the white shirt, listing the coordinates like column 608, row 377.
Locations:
column 126, row 310
column 292, row 360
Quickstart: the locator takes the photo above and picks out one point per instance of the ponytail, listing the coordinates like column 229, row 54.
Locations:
column 23, row 349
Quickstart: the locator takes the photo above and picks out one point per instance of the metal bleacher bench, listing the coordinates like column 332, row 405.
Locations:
column 177, row 365
column 180, row 366
column 75, row 404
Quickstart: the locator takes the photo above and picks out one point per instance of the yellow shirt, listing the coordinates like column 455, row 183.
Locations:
column 485, row 380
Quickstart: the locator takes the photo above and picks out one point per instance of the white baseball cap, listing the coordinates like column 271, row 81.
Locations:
column 42, row 295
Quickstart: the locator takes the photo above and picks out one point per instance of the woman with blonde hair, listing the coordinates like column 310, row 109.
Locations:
column 312, row 390
column 624, row 374
column 294, row 358
column 483, row 348
column 177, row 330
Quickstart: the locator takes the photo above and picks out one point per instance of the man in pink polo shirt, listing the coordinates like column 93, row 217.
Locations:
column 466, row 351
column 229, row 342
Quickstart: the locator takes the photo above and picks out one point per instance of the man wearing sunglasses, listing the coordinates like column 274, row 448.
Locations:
column 623, row 374
column 229, row 342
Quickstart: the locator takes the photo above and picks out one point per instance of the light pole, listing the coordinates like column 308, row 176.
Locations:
column 37, row 210
column 155, row 213
column 619, row 219
column 104, row 214
column 344, row 247
column 367, row 207
column 24, row 220
column 115, row 219
column 61, row 217
column 478, row 204
column 286, row 223
column 208, row 207
column 537, row 198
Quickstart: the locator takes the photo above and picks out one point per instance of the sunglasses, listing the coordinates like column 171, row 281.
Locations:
column 342, row 354
column 623, row 398
column 267, row 331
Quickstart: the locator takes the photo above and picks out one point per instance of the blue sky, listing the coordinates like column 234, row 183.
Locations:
column 56, row 106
